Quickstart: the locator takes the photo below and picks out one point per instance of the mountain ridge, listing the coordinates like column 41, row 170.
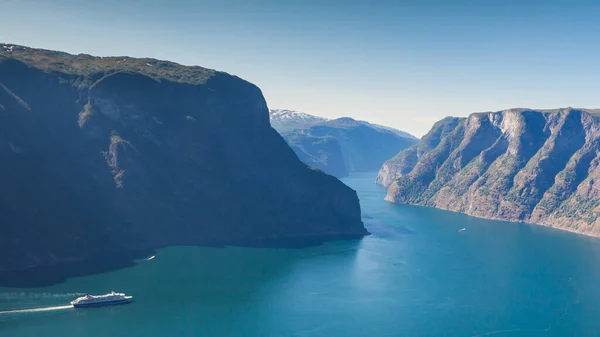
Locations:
column 517, row 165
column 102, row 158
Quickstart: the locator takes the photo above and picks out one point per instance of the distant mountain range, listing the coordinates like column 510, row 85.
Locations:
column 288, row 120
column 536, row 166
column 339, row 146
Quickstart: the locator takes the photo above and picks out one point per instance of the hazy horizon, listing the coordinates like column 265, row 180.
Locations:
column 404, row 65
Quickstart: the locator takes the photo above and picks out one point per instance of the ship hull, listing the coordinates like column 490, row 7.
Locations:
column 101, row 304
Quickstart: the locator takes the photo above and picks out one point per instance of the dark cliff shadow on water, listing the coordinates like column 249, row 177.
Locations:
column 52, row 275
column 203, row 290
column 295, row 243
column 59, row 273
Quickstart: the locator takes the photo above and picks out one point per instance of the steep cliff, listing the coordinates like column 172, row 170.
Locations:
column 518, row 165
column 103, row 155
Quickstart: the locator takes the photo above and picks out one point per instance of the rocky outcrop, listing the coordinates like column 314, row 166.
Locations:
column 108, row 155
column 518, row 165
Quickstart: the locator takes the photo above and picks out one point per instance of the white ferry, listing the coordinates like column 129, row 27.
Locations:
column 111, row 298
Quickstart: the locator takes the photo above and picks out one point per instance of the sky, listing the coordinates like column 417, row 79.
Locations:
column 404, row 64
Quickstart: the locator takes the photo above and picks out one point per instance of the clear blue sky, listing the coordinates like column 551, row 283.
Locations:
column 398, row 63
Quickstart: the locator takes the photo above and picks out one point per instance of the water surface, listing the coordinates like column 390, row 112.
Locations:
column 417, row 275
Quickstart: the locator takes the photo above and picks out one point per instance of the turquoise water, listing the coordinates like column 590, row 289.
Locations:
column 417, row 275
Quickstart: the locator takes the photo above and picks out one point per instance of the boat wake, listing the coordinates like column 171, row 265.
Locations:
column 21, row 311
column 21, row 296
column 34, row 302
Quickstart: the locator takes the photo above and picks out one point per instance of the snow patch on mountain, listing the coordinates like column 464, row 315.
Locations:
column 289, row 115
column 286, row 120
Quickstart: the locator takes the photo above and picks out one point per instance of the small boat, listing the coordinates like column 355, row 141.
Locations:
column 112, row 298
column 462, row 229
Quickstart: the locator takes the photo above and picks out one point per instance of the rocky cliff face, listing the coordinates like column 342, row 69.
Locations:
column 102, row 155
column 519, row 165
